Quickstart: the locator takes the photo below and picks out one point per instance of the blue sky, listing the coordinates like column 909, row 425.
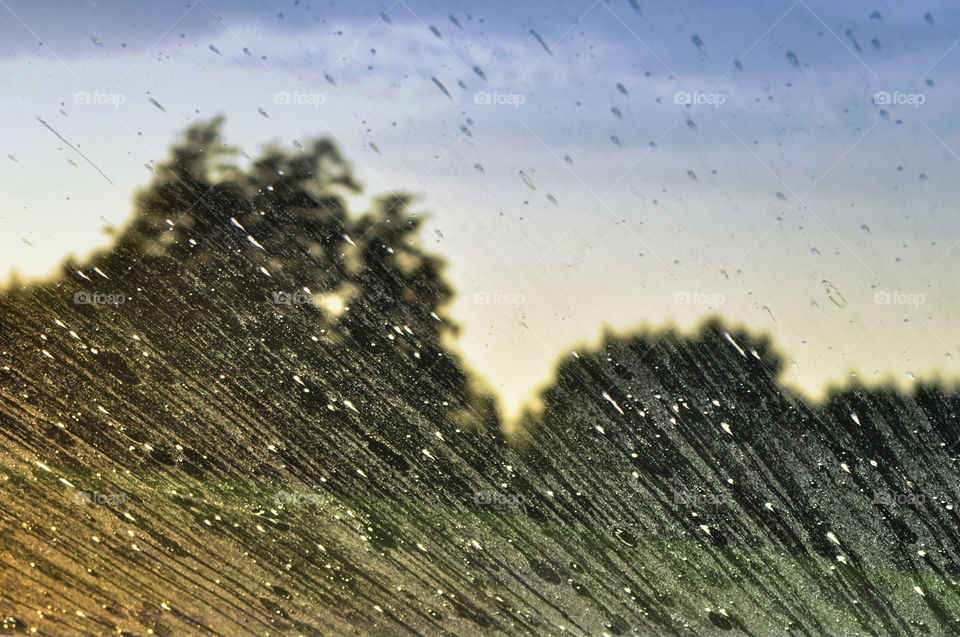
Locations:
column 786, row 207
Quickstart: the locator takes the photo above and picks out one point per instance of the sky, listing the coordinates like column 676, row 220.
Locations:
column 592, row 166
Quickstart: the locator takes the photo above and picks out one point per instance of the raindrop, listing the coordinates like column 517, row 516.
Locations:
column 540, row 40
column 792, row 57
column 856, row 44
column 615, row 140
column 877, row 16
column 96, row 40
column 436, row 32
column 551, row 199
column 13, row 159
column 865, row 228
column 156, row 103
column 616, row 111
column 479, row 72
column 834, row 294
column 738, row 64
column 263, row 112
column 697, row 41
column 781, row 196
column 215, row 50
column 455, row 22
column 329, row 78
column 441, row 87
column 527, row 180
column 386, row 18
column 876, row 44
column 691, row 124
column 480, row 168
column 692, row 175
column 923, row 178
column 928, row 17
column 374, row 148
column 622, row 88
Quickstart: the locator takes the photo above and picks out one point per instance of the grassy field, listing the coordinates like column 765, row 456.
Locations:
column 205, row 551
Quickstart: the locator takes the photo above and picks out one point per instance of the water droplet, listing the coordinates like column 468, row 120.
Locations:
column 527, row 180
column 443, row 88
column 540, row 40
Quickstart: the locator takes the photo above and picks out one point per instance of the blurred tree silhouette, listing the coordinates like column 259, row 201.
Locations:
column 283, row 223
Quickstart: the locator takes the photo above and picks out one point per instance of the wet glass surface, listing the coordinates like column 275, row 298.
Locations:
column 608, row 318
